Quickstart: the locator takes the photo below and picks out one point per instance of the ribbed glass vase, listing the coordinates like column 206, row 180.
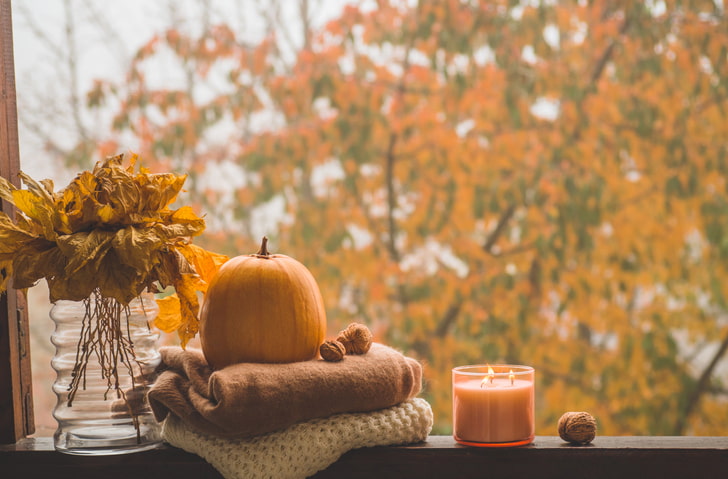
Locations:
column 106, row 360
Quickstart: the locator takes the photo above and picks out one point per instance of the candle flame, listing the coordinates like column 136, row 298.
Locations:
column 488, row 379
column 511, row 376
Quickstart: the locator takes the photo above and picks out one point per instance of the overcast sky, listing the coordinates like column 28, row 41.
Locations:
column 39, row 80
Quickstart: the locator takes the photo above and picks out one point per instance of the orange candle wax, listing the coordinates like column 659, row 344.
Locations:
column 493, row 406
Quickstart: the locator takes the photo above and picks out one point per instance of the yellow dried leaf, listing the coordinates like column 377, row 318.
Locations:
column 28, row 226
column 175, row 232
column 160, row 190
column 12, row 238
column 27, row 202
column 116, row 280
column 110, row 162
column 183, row 266
column 186, row 287
column 83, row 186
column 49, row 187
column 30, row 265
column 6, row 190
column 110, row 231
column 186, row 215
column 206, row 263
column 40, row 189
column 132, row 163
column 83, row 248
column 106, row 213
column 137, row 247
column 73, row 288
column 125, row 197
column 62, row 223
column 36, row 208
column 166, row 271
column 169, row 318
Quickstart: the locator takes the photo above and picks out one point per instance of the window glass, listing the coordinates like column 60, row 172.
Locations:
column 532, row 182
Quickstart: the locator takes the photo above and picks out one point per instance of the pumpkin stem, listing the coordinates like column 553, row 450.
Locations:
column 263, row 251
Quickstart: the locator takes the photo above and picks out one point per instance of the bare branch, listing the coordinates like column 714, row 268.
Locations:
column 391, row 199
column 597, row 72
column 500, row 227
column 305, row 14
column 110, row 32
column 448, row 319
column 72, row 66
column 48, row 43
column 607, row 54
column 521, row 248
column 271, row 13
column 701, row 387
column 390, row 158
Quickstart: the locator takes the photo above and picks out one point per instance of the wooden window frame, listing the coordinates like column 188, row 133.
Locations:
column 16, row 397
column 439, row 456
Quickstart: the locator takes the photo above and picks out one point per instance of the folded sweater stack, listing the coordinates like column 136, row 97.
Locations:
column 288, row 420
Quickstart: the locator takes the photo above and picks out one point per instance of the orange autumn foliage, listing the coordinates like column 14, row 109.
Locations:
column 542, row 185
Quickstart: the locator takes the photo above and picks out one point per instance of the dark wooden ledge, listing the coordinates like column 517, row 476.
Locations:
column 439, row 457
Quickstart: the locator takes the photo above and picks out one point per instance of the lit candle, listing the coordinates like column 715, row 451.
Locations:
column 493, row 405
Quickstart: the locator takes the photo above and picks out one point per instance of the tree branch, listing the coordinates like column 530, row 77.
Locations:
column 505, row 217
column 38, row 32
column 390, row 158
column 607, row 54
column 71, row 64
column 271, row 13
column 521, row 248
column 597, row 73
column 448, row 319
column 391, row 199
column 305, row 14
column 110, row 33
column 701, row 387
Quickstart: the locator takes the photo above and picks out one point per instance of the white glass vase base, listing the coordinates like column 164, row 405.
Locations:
column 88, row 440
column 103, row 419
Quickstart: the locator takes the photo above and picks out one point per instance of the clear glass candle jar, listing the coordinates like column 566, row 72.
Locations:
column 493, row 405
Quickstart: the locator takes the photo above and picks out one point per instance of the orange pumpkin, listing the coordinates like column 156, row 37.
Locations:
column 264, row 308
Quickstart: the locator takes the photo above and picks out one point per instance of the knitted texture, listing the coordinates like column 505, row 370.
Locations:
column 305, row 448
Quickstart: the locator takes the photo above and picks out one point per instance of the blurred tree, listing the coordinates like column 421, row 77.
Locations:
column 530, row 182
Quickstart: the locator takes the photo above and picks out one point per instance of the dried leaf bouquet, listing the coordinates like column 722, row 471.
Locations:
column 104, row 239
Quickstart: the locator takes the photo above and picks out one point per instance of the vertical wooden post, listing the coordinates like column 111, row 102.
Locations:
column 16, row 398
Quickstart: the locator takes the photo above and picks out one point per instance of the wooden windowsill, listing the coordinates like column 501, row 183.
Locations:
column 439, row 457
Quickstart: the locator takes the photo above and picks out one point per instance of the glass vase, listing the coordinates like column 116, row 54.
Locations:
column 106, row 361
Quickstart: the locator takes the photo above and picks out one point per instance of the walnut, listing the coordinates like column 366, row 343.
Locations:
column 577, row 427
column 332, row 351
column 356, row 338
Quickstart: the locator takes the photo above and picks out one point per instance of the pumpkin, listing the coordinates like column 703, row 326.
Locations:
column 263, row 308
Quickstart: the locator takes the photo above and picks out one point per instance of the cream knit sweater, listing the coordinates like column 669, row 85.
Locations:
column 304, row 448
